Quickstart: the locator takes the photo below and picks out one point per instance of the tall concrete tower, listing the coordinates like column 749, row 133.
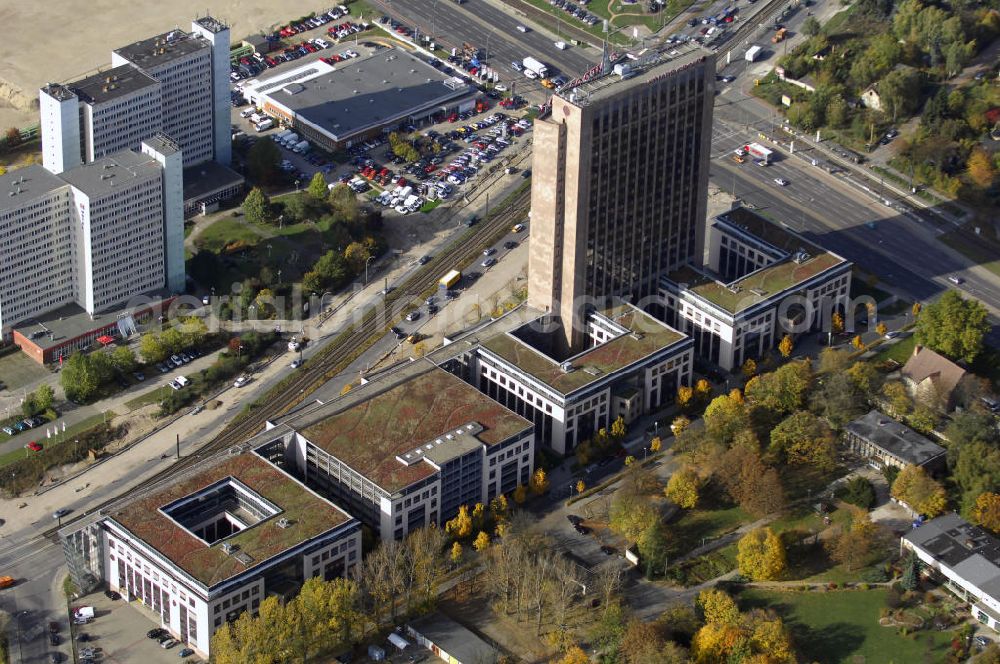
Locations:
column 59, row 115
column 169, row 155
column 217, row 33
column 619, row 182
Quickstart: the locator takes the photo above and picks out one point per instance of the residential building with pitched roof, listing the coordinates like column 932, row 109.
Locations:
column 931, row 378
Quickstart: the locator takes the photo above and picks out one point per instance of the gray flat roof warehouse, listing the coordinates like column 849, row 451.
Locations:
column 366, row 93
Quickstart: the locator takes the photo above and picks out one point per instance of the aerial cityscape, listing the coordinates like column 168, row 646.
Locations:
column 498, row 331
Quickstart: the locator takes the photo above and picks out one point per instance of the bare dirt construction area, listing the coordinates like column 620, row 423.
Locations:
column 62, row 41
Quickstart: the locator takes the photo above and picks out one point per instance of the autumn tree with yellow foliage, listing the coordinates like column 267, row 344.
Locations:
column 920, row 491
column 987, row 511
column 682, row 488
column 761, row 555
column 786, row 346
column 461, row 526
column 756, row 636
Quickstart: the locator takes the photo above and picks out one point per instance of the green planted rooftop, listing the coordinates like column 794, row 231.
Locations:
column 373, row 430
column 307, row 514
column 645, row 336
column 756, row 287
column 766, row 282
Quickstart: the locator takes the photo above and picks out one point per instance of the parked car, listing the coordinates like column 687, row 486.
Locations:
column 186, row 652
column 34, row 446
column 169, row 643
column 156, row 633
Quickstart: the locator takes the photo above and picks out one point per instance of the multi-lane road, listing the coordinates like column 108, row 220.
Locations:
column 494, row 31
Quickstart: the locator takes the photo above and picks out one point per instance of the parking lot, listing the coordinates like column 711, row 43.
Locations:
column 118, row 634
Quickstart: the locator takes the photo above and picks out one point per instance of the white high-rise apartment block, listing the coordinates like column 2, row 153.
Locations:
column 37, row 264
column 217, row 34
column 173, row 83
column 94, row 235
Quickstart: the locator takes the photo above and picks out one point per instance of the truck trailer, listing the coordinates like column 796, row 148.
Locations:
column 532, row 65
column 752, row 53
column 759, row 152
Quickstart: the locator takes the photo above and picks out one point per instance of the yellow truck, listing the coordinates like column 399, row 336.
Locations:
column 450, row 279
column 6, row 581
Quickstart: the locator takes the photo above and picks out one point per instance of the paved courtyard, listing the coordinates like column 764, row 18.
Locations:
column 119, row 630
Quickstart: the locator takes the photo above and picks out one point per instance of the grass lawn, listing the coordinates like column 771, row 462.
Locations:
column 216, row 236
column 153, row 396
column 842, row 626
column 705, row 524
column 79, row 427
column 899, row 351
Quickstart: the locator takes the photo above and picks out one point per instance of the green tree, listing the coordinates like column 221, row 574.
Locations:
column 923, row 419
column 344, row 204
column 899, row 401
column 811, row 27
column 263, row 160
column 761, row 555
column 837, row 399
column 44, row 397
column 78, row 378
column 652, row 545
column 172, row 340
column 257, row 206
column 910, row 578
column 123, row 360
column 953, row 326
column 900, row 92
column 193, row 330
column 725, row 417
column 833, row 360
column 317, row 187
column 152, row 348
column 858, row 491
column 782, row 390
column 803, row 438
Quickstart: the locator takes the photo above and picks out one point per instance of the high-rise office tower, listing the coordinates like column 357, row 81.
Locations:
column 619, row 182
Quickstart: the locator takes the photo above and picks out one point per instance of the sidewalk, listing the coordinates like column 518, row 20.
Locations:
column 142, row 461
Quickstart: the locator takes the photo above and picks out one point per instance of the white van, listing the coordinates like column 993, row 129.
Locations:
column 561, row 45
column 264, row 124
column 182, row 381
column 522, row 28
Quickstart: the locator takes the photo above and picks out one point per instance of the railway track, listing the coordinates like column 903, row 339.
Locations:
column 346, row 346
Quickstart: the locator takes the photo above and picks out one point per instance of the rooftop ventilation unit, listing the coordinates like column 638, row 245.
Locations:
column 228, row 548
column 758, row 291
column 566, row 367
column 284, row 523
